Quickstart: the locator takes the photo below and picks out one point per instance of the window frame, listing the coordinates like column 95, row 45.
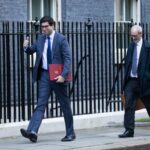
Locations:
column 135, row 11
column 56, row 10
column 136, row 17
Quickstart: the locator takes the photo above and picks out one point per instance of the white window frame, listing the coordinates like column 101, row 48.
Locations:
column 56, row 9
column 136, row 16
column 136, row 11
column 56, row 14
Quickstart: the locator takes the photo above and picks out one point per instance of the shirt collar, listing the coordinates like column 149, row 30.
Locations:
column 52, row 34
column 140, row 42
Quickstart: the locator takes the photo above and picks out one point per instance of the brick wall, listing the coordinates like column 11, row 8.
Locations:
column 13, row 10
column 72, row 10
column 80, row 10
column 145, row 11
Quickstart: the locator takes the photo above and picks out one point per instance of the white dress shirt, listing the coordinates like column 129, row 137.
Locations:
column 44, row 56
column 139, row 46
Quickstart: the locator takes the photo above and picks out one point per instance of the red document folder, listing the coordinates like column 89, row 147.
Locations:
column 56, row 70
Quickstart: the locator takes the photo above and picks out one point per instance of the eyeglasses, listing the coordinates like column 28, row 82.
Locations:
column 46, row 26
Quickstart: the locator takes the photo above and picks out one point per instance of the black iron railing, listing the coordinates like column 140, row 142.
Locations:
column 97, row 51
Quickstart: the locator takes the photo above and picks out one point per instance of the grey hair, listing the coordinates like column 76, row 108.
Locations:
column 136, row 28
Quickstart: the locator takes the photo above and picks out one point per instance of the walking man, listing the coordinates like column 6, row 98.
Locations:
column 51, row 47
column 137, row 78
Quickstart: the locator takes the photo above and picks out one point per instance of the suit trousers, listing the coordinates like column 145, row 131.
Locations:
column 45, row 87
column 132, row 92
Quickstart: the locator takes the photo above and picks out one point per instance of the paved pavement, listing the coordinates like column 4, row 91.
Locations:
column 101, row 138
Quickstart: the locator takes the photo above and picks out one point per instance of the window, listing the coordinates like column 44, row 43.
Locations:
column 125, row 11
column 40, row 8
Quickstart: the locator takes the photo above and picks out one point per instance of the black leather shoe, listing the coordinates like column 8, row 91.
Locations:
column 68, row 138
column 32, row 137
column 126, row 134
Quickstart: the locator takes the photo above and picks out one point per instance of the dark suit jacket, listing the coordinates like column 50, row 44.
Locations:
column 61, row 54
column 143, row 68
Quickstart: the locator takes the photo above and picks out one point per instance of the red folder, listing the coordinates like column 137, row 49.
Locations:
column 56, row 70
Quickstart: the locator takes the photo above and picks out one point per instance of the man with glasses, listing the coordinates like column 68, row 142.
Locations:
column 51, row 47
column 137, row 78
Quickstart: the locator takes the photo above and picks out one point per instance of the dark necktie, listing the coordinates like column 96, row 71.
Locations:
column 134, row 61
column 49, row 53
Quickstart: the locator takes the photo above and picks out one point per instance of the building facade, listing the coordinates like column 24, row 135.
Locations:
column 78, row 10
column 98, row 49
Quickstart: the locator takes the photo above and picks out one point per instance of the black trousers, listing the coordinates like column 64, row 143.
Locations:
column 132, row 92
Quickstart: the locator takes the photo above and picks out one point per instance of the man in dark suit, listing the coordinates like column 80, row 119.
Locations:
column 51, row 47
column 137, row 78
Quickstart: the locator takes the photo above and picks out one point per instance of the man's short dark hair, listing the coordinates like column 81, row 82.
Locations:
column 48, row 19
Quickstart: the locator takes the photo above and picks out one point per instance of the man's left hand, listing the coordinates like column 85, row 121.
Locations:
column 59, row 79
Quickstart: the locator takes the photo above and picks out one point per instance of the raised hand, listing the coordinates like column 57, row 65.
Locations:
column 26, row 42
